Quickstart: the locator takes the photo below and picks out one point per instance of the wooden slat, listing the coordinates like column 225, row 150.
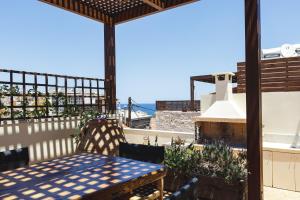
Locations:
column 111, row 12
column 277, row 75
column 177, row 105
column 157, row 4
column 145, row 10
column 80, row 8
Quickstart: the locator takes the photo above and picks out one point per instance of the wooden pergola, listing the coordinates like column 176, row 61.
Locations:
column 114, row 12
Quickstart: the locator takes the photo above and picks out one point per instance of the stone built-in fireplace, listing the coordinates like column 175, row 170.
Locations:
column 224, row 120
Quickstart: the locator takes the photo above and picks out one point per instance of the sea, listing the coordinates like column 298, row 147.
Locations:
column 148, row 108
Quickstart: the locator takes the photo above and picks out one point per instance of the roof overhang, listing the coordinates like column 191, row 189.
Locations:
column 211, row 78
column 117, row 11
column 222, row 111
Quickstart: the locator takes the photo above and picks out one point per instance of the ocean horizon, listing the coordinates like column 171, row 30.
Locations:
column 149, row 108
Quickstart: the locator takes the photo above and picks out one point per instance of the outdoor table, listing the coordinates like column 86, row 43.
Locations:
column 80, row 176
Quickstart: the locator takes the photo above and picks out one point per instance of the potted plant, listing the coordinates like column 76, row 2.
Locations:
column 177, row 161
column 222, row 173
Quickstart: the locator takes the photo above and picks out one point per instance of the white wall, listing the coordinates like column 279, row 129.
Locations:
column 281, row 114
column 46, row 138
column 137, row 136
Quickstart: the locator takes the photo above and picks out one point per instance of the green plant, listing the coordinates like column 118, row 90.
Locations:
column 214, row 160
column 38, row 112
column 48, row 104
column 24, row 113
column 70, row 110
column 3, row 110
column 33, row 92
column 177, row 157
column 4, row 89
column 219, row 160
column 14, row 90
column 3, row 92
column 59, row 98
column 17, row 114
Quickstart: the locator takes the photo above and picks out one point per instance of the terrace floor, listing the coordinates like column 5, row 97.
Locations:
column 278, row 194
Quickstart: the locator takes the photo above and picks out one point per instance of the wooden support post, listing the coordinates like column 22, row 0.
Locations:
column 192, row 87
column 253, row 99
column 110, row 67
column 129, row 107
column 160, row 185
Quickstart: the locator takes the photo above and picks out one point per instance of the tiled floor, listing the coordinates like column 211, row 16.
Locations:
column 277, row 194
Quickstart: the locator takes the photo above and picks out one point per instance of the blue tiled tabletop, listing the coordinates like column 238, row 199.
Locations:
column 71, row 177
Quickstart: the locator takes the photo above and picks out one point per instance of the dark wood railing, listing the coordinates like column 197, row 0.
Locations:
column 177, row 105
column 25, row 95
column 277, row 75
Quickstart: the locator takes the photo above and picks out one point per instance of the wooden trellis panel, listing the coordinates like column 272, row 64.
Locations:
column 86, row 9
column 116, row 11
column 27, row 95
column 277, row 75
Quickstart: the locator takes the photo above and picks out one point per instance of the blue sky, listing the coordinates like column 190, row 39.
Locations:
column 156, row 55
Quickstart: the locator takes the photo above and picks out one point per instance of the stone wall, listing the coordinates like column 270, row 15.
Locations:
column 174, row 121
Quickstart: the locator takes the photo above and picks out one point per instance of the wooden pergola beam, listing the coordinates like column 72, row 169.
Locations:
column 157, row 4
column 80, row 8
column 253, row 99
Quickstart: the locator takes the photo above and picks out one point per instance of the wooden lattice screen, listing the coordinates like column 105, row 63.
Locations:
column 25, row 95
column 101, row 136
column 277, row 75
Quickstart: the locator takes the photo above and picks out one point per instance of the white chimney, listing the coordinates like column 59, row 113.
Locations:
column 224, row 108
column 223, row 86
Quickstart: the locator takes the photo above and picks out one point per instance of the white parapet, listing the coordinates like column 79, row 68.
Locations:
column 137, row 136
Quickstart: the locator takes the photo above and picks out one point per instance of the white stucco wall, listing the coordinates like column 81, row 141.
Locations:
column 281, row 114
column 138, row 135
column 46, row 138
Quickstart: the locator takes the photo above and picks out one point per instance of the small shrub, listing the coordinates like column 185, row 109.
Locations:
column 214, row 160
